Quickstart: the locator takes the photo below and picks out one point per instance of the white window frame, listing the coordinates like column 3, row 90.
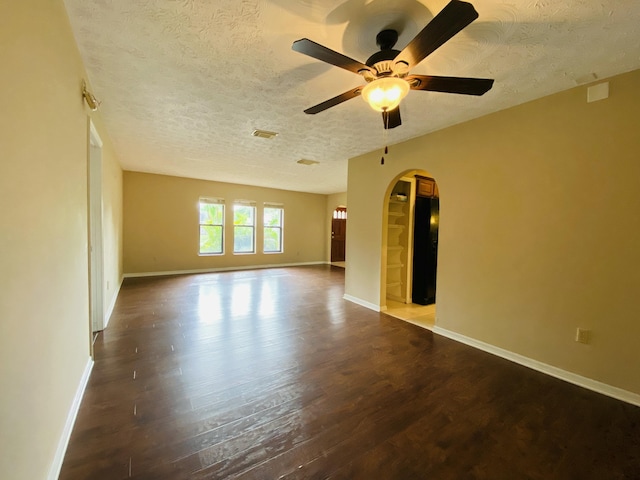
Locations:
column 280, row 226
column 250, row 204
column 211, row 201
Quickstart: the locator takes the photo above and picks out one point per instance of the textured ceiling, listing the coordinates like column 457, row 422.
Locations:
column 185, row 82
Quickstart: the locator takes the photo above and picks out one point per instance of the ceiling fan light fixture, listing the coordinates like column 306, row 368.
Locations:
column 386, row 93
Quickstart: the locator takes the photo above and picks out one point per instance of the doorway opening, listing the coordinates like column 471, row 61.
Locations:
column 96, row 267
column 410, row 250
column 339, row 236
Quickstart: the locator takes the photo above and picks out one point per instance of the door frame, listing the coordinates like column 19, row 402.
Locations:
column 408, row 176
column 339, row 208
column 96, row 261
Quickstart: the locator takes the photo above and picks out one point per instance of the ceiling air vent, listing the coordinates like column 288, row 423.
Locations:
column 264, row 134
column 304, row 161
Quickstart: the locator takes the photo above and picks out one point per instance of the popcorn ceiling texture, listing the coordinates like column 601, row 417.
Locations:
column 185, row 82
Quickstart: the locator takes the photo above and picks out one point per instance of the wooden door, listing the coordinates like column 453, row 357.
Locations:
column 338, row 234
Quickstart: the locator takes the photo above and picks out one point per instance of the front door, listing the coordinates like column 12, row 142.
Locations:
column 338, row 234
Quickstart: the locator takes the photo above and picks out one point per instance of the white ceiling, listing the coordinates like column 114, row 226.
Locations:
column 185, row 82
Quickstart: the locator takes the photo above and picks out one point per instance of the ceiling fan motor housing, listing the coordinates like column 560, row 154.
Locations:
column 382, row 61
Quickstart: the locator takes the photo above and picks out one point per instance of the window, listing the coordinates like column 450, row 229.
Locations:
column 244, row 232
column 211, row 226
column 273, row 220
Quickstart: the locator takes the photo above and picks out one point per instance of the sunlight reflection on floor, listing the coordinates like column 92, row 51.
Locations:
column 421, row 315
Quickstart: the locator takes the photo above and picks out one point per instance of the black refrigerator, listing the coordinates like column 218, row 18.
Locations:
column 425, row 250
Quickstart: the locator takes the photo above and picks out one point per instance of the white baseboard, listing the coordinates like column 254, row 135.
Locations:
column 222, row 269
column 112, row 304
column 363, row 303
column 54, row 470
column 588, row 383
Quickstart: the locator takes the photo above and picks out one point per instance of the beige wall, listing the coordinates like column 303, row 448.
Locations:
column 161, row 232
column 44, row 311
column 539, row 228
column 333, row 201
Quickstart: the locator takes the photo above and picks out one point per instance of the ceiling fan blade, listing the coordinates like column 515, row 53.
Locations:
column 320, row 52
column 334, row 101
column 465, row 86
column 392, row 118
column 451, row 19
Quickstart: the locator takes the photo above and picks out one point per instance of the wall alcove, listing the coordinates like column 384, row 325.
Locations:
column 410, row 245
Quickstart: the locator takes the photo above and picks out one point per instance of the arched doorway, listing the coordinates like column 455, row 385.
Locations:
column 338, row 234
column 410, row 247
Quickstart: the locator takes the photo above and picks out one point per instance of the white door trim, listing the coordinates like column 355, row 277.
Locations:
column 96, row 266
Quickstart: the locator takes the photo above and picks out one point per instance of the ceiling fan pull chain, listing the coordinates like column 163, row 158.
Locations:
column 386, row 138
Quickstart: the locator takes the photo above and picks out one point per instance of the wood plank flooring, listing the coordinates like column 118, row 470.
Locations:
column 270, row 374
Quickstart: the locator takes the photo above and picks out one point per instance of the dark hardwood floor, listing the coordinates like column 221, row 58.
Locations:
column 270, row 374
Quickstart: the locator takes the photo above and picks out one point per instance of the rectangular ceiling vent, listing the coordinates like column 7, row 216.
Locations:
column 264, row 134
column 304, row 161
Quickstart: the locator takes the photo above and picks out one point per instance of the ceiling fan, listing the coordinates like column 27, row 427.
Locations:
column 387, row 71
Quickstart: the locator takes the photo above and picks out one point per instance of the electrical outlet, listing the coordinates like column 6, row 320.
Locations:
column 583, row 335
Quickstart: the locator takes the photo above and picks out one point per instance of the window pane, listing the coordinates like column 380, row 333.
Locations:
column 272, row 217
column 243, row 240
column 211, row 228
column 272, row 239
column 243, row 215
column 218, row 214
column 210, row 239
column 211, row 214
